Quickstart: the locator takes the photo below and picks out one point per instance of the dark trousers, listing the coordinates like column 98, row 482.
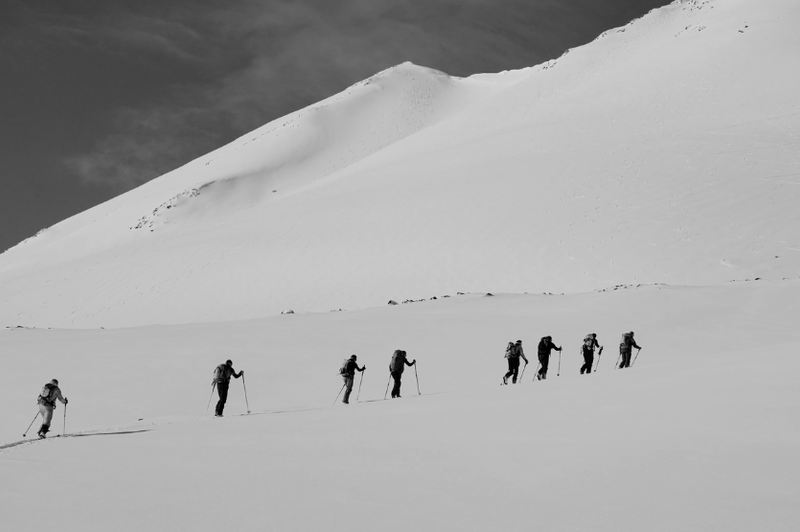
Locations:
column 588, row 362
column 222, row 390
column 626, row 358
column 397, row 376
column 513, row 369
column 544, row 360
column 348, row 387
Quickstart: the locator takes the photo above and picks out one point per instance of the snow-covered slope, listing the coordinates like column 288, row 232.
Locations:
column 664, row 151
column 701, row 434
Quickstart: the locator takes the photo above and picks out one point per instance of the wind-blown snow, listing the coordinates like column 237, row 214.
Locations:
column 661, row 158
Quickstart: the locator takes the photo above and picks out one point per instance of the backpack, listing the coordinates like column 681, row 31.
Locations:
column 343, row 368
column 397, row 361
column 219, row 373
column 626, row 340
column 511, row 351
column 44, row 397
column 588, row 342
column 544, row 346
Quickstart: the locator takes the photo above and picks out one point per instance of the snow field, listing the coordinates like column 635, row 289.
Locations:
column 699, row 435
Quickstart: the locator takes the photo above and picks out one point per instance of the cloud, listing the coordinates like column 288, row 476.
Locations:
column 252, row 61
column 176, row 31
column 151, row 142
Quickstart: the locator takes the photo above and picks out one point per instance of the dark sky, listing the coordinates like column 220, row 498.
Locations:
column 100, row 96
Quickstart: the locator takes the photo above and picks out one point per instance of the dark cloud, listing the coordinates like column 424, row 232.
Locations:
column 226, row 67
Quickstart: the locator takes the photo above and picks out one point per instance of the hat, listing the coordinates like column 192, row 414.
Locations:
column 353, row 357
column 229, row 362
column 631, row 333
column 519, row 341
column 54, row 381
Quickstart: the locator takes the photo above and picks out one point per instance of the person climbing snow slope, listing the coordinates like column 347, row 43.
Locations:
column 513, row 354
column 222, row 380
column 545, row 347
column 47, row 404
column 396, row 368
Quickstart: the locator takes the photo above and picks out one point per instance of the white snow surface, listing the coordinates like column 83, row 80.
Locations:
column 701, row 434
column 651, row 176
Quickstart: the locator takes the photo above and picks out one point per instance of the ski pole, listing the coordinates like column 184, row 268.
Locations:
column 616, row 365
column 359, row 385
column 599, row 354
column 539, row 365
column 637, row 356
column 523, row 371
column 64, row 427
column 29, row 426
column 213, row 385
column 338, row 394
column 417, row 376
column 245, row 394
column 559, row 365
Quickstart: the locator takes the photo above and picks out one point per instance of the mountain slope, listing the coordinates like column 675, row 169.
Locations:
column 663, row 152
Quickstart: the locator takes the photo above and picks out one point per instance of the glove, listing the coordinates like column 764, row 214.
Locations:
column 66, row 400
column 364, row 368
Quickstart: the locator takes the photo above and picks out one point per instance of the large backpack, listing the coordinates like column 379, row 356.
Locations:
column 511, row 351
column 343, row 368
column 588, row 342
column 45, row 397
column 544, row 346
column 219, row 373
column 626, row 341
column 397, row 361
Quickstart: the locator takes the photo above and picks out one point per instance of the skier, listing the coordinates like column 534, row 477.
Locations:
column 349, row 374
column 546, row 345
column 222, row 380
column 396, row 368
column 626, row 345
column 47, row 403
column 513, row 353
column 589, row 343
